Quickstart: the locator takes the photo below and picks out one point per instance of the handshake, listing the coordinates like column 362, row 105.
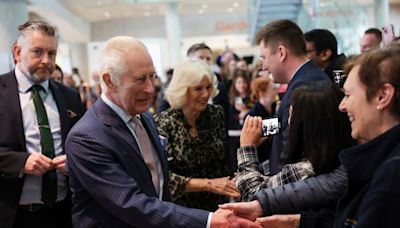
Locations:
column 247, row 214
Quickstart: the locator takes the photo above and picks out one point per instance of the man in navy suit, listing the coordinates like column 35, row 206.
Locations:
column 22, row 161
column 283, row 53
column 118, row 170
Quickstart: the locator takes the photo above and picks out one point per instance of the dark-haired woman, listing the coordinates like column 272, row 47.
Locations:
column 317, row 132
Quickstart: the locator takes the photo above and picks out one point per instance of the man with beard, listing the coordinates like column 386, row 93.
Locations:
column 37, row 114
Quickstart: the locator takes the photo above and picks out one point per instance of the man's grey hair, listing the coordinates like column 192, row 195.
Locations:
column 113, row 57
column 36, row 26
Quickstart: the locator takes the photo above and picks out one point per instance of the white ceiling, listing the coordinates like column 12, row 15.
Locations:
column 101, row 10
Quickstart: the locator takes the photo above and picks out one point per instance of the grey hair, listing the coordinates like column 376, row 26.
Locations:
column 112, row 59
column 36, row 26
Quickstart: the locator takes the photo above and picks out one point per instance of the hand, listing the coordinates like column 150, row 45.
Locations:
column 226, row 219
column 280, row 221
column 59, row 164
column 223, row 186
column 251, row 131
column 37, row 164
column 249, row 210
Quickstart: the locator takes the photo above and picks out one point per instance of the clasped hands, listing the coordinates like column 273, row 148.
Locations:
column 37, row 164
column 247, row 214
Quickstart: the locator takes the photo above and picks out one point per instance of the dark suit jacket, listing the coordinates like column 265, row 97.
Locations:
column 12, row 138
column 307, row 73
column 111, row 184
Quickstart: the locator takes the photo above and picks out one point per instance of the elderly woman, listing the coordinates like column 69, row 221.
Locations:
column 196, row 138
column 372, row 103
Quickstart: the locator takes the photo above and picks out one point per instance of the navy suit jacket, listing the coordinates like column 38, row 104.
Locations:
column 307, row 73
column 12, row 138
column 110, row 182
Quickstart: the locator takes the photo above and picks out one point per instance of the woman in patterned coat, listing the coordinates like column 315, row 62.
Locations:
column 197, row 139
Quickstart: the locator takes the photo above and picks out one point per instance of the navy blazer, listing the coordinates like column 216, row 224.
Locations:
column 12, row 138
column 110, row 182
column 307, row 73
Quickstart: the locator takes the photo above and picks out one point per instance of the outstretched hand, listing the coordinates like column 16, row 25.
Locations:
column 223, row 186
column 226, row 219
column 280, row 221
column 251, row 131
column 249, row 210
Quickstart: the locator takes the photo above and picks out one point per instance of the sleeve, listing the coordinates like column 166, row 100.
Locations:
column 92, row 163
column 319, row 191
column 249, row 179
column 291, row 173
column 11, row 164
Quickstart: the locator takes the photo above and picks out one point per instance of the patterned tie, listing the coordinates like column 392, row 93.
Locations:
column 49, row 179
column 147, row 152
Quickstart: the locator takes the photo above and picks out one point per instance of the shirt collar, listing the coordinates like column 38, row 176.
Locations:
column 126, row 117
column 24, row 83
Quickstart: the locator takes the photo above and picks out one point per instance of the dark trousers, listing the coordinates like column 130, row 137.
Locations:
column 59, row 216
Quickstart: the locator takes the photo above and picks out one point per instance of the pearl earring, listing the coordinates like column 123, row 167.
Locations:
column 378, row 107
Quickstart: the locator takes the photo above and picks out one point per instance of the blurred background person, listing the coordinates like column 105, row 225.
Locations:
column 57, row 74
column 370, row 40
column 263, row 93
column 321, row 47
column 196, row 137
column 239, row 98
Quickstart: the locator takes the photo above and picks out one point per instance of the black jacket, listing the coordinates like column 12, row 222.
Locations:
column 321, row 191
column 372, row 198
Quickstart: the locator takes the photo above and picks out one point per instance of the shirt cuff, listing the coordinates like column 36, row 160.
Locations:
column 209, row 220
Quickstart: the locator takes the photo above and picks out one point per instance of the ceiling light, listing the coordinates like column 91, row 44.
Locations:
column 205, row 6
column 146, row 14
column 236, row 5
column 201, row 11
column 107, row 14
column 230, row 10
column 99, row 3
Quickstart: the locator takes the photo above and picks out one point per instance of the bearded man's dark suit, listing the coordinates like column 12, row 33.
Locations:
column 13, row 153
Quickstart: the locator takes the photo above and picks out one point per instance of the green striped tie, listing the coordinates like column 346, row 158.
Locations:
column 49, row 179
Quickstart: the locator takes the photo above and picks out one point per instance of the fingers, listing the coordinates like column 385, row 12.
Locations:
column 241, row 222
column 37, row 164
column 59, row 160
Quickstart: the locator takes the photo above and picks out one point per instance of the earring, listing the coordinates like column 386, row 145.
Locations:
column 378, row 107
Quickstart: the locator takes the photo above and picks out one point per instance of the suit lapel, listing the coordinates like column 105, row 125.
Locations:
column 10, row 96
column 62, row 108
column 111, row 119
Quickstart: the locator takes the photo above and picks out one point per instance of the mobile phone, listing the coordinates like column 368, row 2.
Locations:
column 270, row 126
column 339, row 77
column 387, row 34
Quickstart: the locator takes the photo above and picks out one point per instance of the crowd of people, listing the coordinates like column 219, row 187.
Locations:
column 130, row 151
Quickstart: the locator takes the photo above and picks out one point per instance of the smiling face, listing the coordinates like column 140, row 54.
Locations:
column 363, row 114
column 198, row 96
column 270, row 62
column 36, row 55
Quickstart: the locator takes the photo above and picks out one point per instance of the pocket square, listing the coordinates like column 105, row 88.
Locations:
column 71, row 114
